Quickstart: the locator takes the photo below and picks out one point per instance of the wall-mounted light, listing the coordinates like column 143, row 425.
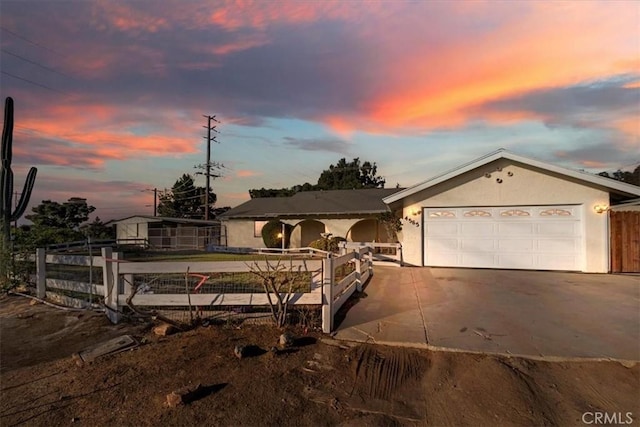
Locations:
column 416, row 211
column 601, row 208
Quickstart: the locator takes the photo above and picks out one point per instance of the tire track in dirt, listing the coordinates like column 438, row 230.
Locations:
column 379, row 371
column 538, row 396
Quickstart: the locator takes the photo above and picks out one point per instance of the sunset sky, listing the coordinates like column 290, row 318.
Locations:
column 110, row 95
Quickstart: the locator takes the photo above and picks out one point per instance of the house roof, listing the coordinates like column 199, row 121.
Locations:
column 609, row 184
column 148, row 218
column 314, row 203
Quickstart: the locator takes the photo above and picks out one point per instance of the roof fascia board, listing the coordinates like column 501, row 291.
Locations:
column 581, row 176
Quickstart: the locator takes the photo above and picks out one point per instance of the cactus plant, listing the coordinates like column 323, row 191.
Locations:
column 7, row 214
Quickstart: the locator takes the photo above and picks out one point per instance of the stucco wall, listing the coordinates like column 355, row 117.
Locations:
column 519, row 186
column 240, row 234
column 240, row 231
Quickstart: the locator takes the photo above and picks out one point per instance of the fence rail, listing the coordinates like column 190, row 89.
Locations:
column 330, row 281
column 382, row 252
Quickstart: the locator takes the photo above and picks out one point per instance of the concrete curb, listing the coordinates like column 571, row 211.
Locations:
column 624, row 362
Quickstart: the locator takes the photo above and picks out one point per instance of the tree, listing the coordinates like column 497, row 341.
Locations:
column 343, row 176
column 351, row 175
column 68, row 215
column 97, row 230
column 185, row 200
column 624, row 176
column 272, row 234
column 54, row 222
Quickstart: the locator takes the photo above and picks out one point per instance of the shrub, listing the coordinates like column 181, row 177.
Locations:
column 270, row 233
column 330, row 244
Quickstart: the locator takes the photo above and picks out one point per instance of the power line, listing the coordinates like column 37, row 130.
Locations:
column 34, row 62
column 30, row 81
column 31, row 41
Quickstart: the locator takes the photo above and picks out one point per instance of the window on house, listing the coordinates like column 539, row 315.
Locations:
column 257, row 228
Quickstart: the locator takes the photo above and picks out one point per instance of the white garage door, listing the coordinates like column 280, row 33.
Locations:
column 519, row 237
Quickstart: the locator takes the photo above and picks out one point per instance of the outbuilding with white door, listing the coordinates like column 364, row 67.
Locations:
column 509, row 211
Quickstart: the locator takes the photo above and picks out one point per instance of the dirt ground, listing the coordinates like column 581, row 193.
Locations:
column 312, row 384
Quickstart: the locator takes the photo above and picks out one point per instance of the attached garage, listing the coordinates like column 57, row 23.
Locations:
column 508, row 211
column 510, row 237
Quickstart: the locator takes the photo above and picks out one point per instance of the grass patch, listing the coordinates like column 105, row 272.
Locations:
column 206, row 256
column 218, row 283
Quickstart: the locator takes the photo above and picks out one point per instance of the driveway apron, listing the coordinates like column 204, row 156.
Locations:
column 532, row 313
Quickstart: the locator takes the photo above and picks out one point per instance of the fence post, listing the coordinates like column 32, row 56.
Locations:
column 370, row 255
column 358, row 263
column 327, row 295
column 41, row 272
column 110, row 274
column 399, row 254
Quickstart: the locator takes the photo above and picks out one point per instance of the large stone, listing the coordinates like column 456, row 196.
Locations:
column 240, row 351
column 286, row 340
column 184, row 395
column 165, row 329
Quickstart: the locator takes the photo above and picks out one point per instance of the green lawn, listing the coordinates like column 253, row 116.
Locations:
column 200, row 256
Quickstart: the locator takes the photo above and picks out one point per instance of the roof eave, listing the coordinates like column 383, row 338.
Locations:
column 304, row 215
column 616, row 186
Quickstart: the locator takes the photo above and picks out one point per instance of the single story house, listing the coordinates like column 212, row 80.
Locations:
column 508, row 211
column 351, row 214
column 502, row 210
column 168, row 233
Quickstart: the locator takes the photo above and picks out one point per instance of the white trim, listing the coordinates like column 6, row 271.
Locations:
column 608, row 183
column 627, row 204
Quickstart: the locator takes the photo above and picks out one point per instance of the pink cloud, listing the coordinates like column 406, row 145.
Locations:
column 244, row 173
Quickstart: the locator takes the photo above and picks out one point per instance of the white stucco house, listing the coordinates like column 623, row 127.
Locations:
column 502, row 210
column 508, row 211
column 351, row 214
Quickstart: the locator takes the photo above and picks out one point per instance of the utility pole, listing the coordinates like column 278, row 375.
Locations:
column 155, row 202
column 207, row 166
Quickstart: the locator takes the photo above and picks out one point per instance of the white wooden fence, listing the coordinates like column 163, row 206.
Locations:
column 383, row 252
column 117, row 282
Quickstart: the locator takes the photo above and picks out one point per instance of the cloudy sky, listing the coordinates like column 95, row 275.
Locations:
column 110, row 95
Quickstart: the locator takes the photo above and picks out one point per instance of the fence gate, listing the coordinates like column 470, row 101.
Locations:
column 625, row 242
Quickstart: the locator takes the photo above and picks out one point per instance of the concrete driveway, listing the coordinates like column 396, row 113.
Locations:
column 531, row 313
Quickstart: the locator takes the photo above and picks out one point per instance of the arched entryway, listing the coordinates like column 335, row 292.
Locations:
column 367, row 230
column 306, row 232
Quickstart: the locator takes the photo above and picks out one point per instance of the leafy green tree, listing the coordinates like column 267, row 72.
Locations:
column 67, row 215
column 341, row 176
column 272, row 234
column 97, row 230
column 624, row 176
column 350, row 175
column 185, row 200
column 54, row 222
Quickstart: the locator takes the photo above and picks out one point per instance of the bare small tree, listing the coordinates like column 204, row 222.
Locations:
column 278, row 282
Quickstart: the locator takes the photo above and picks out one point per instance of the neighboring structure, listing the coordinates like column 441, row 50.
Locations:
column 169, row 233
column 508, row 211
column 351, row 214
